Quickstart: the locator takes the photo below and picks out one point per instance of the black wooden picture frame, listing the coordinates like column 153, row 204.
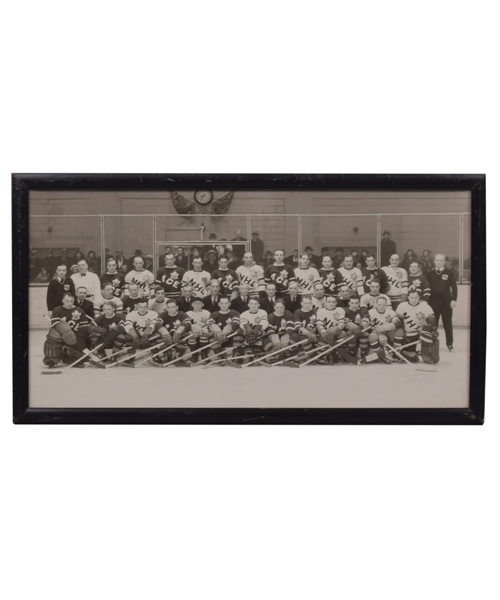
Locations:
column 22, row 184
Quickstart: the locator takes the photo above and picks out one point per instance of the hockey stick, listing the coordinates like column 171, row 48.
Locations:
column 274, row 353
column 290, row 358
column 162, row 351
column 221, row 360
column 85, row 355
column 191, row 353
column 244, row 345
column 331, row 348
column 219, row 353
column 131, row 357
column 418, row 367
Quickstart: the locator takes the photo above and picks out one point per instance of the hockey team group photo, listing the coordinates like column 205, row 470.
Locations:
column 238, row 299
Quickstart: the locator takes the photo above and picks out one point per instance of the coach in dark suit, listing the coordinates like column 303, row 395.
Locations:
column 268, row 300
column 211, row 302
column 292, row 300
column 240, row 304
column 444, row 293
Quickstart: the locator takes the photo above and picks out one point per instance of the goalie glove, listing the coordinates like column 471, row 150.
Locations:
column 219, row 337
column 196, row 329
column 144, row 341
column 328, row 336
column 354, row 329
column 228, row 330
column 309, row 335
column 97, row 335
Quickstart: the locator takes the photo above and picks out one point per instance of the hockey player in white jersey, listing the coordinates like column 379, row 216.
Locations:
column 144, row 278
column 419, row 323
column 199, row 327
column 369, row 300
column 251, row 274
column 331, row 322
column 350, row 275
column 307, row 277
column 137, row 328
column 397, row 280
column 385, row 327
column 108, row 293
column 253, row 324
column 197, row 278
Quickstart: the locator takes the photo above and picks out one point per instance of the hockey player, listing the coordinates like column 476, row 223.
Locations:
column 108, row 293
column 197, row 278
column 159, row 302
column 279, row 273
column 211, row 302
column 353, row 320
column 281, row 331
column 138, row 327
column 319, row 296
column 369, row 300
column 199, row 327
column 108, row 326
column 343, row 297
column 416, row 279
column 419, row 323
column 69, row 335
column 81, row 301
column 173, row 325
column 268, row 302
column 134, row 297
column 112, row 276
column 370, row 272
column 253, row 324
column 350, row 275
column 224, row 322
column 241, row 302
column 328, row 276
column 307, row 277
column 386, row 326
column 90, row 281
column 305, row 325
column 331, row 324
column 444, row 294
column 170, row 277
column 58, row 287
column 144, row 279
column 397, row 280
column 227, row 278
column 251, row 274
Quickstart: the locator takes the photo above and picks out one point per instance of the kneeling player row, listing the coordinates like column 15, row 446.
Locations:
column 198, row 335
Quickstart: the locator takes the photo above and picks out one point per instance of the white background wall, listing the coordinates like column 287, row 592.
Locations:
column 270, row 512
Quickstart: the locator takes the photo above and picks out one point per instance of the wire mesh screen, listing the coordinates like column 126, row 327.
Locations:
column 80, row 236
column 327, row 233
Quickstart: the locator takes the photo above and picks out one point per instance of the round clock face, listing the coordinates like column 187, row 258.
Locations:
column 203, row 197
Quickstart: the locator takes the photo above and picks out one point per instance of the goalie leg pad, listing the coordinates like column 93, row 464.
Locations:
column 52, row 350
column 427, row 335
column 67, row 334
column 398, row 337
column 54, row 337
column 430, row 352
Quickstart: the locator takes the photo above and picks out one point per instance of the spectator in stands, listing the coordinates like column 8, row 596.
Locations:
column 64, row 259
column 362, row 258
column 293, row 259
column 148, row 262
column 338, row 259
column 49, row 262
column 107, row 254
column 121, row 261
column 426, row 262
column 314, row 261
column 239, row 248
column 324, row 252
column 408, row 258
column 257, row 247
column 234, row 261
column 267, row 260
column 78, row 256
column 387, row 249
column 74, row 269
column 43, row 277
column 35, row 265
column 453, row 266
column 180, row 259
column 93, row 263
column 211, row 264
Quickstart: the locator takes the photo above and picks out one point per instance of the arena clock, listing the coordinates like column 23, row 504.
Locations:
column 203, row 197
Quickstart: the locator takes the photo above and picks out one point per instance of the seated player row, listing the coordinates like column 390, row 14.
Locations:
column 175, row 281
column 355, row 335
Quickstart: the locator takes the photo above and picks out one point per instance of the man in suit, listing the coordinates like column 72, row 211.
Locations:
column 120, row 261
column 268, row 301
column 314, row 261
column 185, row 300
column 64, row 259
column 181, row 260
column 211, row 302
column 211, row 264
column 240, row 246
column 293, row 300
column 81, row 301
column 257, row 247
column 50, row 261
column 240, row 304
column 387, row 249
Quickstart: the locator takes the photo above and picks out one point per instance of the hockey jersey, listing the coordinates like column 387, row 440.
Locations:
column 198, row 318
column 254, row 318
column 117, row 280
column 421, row 283
column 354, row 317
column 109, row 323
column 170, row 279
column 376, row 273
column 375, row 319
column 254, row 276
column 369, row 300
column 397, row 281
column 231, row 318
column 305, row 319
column 352, row 278
column 282, row 324
column 140, row 322
column 328, row 279
column 199, row 280
column 307, row 279
column 74, row 317
column 144, row 280
column 414, row 317
column 115, row 300
column 330, row 318
column 159, row 307
column 318, row 302
column 228, row 281
column 173, row 322
column 280, row 275
column 129, row 303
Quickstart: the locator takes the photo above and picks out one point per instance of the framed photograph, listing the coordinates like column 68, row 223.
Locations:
column 249, row 299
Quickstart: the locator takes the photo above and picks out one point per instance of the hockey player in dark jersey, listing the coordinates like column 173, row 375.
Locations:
column 279, row 273
column 58, row 287
column 305, row 326
column 328, row 275
column 112, row 276
column 227, row 278
column 134, row 297
column 107, row 327
column 173, row 325
column 281, row 330
column 343, row 297
column 417, row 280
column 353, row 321
column 170, row 277
column 68, row 337
column 370, row 272
column 223, row 323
